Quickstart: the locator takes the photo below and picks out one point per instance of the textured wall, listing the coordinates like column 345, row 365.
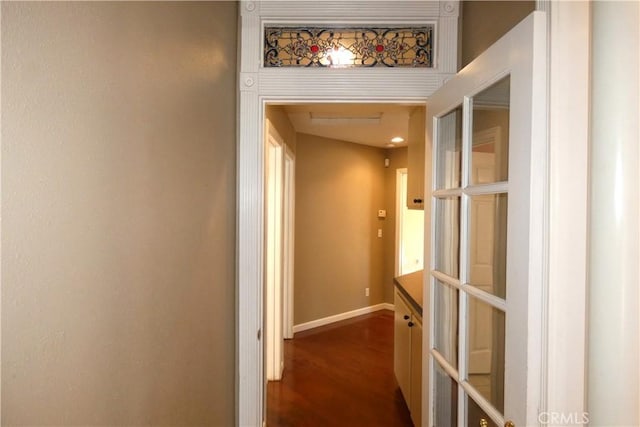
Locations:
column 118, row 213
column 339, row 189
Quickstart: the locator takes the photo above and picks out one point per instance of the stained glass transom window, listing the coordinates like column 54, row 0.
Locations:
column 348, row 47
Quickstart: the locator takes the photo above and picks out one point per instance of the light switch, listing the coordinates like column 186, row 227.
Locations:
column 382, row 213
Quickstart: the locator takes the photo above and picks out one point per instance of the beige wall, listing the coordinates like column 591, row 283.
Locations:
column 339, row 189
column 118, row 213
column 397, row 160
column 280, row 120
column 484, row 22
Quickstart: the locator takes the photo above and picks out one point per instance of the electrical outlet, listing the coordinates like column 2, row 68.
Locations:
column 379, row 232
column 366, row 292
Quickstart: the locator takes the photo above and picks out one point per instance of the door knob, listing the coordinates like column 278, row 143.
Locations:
column 509, row 424
column 483, row 423
column 410, row 324
column 406, row 317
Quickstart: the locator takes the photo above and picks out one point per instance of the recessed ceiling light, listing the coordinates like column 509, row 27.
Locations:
column 397, row 139
column 390, row 145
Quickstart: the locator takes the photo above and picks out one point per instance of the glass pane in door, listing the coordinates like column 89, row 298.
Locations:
column 485, row 351
column 488, row 243
column 445, row 410
column 490, row 136
column 447, row 250
column 476, row 416
column 448, row 150
column 446, row 322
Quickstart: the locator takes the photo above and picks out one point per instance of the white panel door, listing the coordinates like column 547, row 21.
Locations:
column 487, row 129
column 274, row 344
column 288, row 243
column 481, row 244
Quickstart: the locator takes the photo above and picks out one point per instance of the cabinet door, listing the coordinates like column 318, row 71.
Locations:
column 402, row 346
column 416, row 159
column 415, row 404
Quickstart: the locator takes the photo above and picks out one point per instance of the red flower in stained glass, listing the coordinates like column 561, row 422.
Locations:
column 315, row 48
column 379, row 48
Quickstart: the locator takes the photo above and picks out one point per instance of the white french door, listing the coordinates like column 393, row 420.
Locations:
column 488, row 143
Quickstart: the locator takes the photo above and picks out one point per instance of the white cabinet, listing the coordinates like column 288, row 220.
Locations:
column 402, row 346
column 416, row 159
column 407, row 355
column 415, row 405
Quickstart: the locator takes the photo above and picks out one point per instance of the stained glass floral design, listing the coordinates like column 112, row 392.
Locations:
column 348, row 47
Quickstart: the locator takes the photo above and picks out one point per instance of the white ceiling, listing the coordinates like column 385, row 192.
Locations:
column 368, row 124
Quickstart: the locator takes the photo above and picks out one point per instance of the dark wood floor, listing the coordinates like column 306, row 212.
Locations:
column 339, row 375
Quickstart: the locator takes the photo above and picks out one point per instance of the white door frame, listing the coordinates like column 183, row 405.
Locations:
column 564, row 322
column 399, row 231
column 566, row 198
column 259, row 85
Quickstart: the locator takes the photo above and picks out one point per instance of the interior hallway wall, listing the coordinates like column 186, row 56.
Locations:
column 280, row 120
column 339, row 189
column 118, row 213
column 484, row 22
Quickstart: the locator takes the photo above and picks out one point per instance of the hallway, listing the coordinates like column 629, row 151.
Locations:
column 339, row 375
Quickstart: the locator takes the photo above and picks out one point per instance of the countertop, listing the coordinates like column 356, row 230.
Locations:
column 410, row 285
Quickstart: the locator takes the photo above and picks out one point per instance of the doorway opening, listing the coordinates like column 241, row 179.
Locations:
column 260, row 86
column 409, row 230
column 345, row 249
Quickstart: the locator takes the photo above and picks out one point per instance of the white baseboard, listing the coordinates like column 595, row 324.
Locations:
column 342, row 316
